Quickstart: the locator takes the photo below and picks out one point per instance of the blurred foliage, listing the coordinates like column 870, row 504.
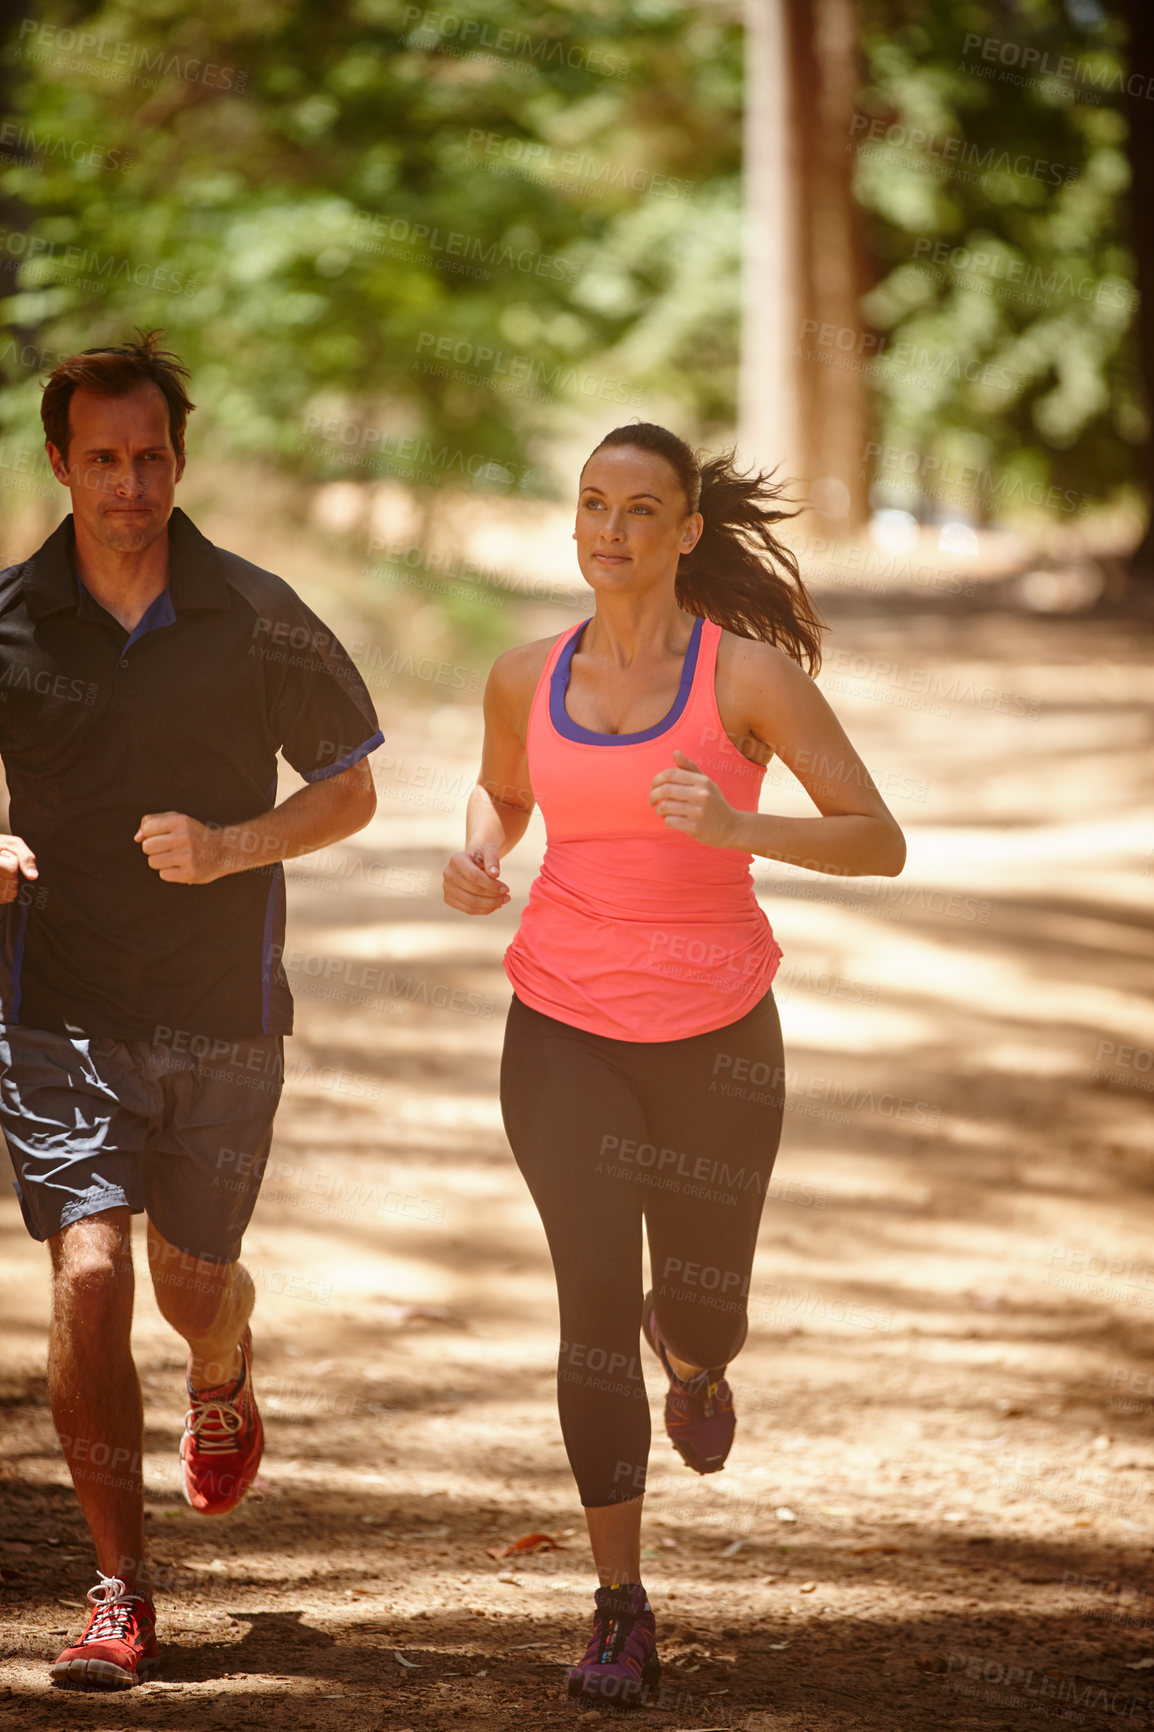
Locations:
column 392, row 240
column 990, row 161
column 383, row 237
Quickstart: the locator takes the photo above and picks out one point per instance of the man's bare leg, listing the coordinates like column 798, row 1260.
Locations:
column 93, row 1387
column 208, row 1303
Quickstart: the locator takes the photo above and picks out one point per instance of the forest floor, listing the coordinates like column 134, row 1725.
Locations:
column 938, row 1509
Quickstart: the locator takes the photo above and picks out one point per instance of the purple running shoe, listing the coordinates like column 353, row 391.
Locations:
column 620, row 1664
column 699, row 1416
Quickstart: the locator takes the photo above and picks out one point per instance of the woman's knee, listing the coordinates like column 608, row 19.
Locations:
column 700, row 1336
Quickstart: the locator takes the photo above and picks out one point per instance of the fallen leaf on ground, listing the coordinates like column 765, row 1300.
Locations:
column 808, row 1588
column 1140, row 1665
column 527, row 1543
column 413, row 1665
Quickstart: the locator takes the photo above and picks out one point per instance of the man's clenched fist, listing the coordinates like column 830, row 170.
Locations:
column 16, row 859
column 180, row 848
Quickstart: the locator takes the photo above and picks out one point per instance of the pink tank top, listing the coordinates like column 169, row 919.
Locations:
column 634, row 930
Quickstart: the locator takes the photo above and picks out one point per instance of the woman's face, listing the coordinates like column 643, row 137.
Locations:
column 632, row 523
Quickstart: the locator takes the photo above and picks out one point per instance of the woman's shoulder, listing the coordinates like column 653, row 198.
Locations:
column 740, row 659
column 524, row 661
column 514, row 675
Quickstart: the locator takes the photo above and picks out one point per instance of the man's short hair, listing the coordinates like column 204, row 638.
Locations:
column 113, row 371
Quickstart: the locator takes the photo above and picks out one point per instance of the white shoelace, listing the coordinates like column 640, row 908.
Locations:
column 112, row 1599
column 214, row 1423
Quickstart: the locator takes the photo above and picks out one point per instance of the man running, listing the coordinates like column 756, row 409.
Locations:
column 147, row 681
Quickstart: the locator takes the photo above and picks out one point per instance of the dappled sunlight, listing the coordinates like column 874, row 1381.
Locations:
column 426, row 939
column 812, row 1022
column 946, row 1390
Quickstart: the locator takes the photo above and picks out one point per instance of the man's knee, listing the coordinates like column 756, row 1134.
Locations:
column 178, row 1268
column 189, row 1288
column 92, row 1264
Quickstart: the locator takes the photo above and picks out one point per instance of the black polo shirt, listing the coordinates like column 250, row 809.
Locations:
column 184, row 714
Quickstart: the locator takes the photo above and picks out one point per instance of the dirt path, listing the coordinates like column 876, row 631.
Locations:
column 938, row 1510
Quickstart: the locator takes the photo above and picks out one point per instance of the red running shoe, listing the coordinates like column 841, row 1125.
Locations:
column 223, row 1441
column 620, row 1664
column 118, row 1649
column 699, row 1416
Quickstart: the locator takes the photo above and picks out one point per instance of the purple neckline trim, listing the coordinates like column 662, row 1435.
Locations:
column 571, row 730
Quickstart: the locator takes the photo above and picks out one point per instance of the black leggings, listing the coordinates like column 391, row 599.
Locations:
column 606, row 1132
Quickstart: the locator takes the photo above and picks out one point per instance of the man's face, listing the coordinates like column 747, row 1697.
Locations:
column 121, row 469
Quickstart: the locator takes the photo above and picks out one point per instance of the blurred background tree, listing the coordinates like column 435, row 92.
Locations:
column 991, row 149
column 309, row 199
column 379, row 223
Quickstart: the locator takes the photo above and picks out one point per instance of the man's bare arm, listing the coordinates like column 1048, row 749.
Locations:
column 185, row 851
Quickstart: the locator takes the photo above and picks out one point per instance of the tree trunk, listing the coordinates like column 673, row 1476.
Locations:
column 805, row 402
column 770, row 421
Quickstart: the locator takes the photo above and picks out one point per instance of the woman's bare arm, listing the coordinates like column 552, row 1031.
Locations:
column 501, row 804
column 855, row 835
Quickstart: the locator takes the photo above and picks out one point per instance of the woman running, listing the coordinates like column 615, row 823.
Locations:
column 642, row 1071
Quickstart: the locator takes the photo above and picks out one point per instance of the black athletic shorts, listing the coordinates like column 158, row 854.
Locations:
column 180, row 1132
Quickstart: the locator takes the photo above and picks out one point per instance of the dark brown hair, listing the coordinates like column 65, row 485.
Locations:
column 739, row 575
column 114, row 371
